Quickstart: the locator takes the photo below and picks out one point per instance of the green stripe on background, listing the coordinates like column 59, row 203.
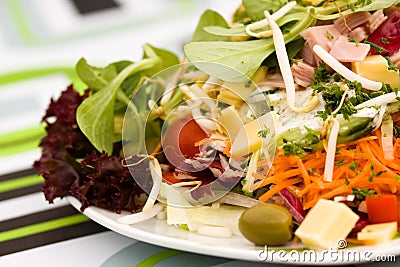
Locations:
column 154, row 259
column 34, row 73
column 20, row 136
column 21, row 141
column 17, row 13
column 19, row 148
column 42, row 227
column 19, row 183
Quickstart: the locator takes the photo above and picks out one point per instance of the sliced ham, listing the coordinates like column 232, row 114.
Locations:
column 360, row 33
column 308, row 56
column 274, row 80
column 376, row 19
column 346, row 51
column 395, row 57
column 324, row 35
column 348, row 23
column 303, row 73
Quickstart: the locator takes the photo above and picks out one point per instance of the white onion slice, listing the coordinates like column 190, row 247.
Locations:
column 344, row 71
column 379, row 100
column 141, row 216
column 156, row 175
column 331, row 151
column 264, row 22
column 286, row 71
column 387, row 138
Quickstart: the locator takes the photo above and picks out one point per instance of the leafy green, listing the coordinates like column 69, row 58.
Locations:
column 209, row 18
column 224, row 31
column 96, row 78
column 335, row 9
column 240, row 31
column 166, row 59
column 244, row 57
column 255, row 8
column 95, row 116
column 292, row 49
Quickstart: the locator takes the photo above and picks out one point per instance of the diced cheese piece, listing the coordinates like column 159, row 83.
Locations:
column 376, row 68
column 228, row 97
column 231, row 121
column 260, row 74
column 378, row 233
column 240, row 90
column 177, row 206
column 326, row 224
column 247, row 139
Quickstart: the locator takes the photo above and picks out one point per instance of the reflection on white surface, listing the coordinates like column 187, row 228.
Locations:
column 85, row 251
column 31, row 203
column 157, row 232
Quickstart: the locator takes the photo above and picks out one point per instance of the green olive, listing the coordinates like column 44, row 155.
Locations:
column 266, row 224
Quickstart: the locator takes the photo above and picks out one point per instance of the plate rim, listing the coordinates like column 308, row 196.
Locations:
column 198, row 248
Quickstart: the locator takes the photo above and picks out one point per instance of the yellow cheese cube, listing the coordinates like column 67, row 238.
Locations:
column 326, row 225
column 376, row 68
column 378, row 233
column 240, row 90
column 231, row 121
column 247, row 139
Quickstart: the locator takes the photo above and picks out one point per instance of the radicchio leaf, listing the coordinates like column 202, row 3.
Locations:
column 294, row 206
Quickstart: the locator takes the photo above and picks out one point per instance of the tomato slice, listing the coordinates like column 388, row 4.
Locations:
column 169, row 178
column 382, row 208
column 179, row 142
column 387, row 35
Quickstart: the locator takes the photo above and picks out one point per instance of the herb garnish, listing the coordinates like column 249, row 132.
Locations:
column 361, row 194
column 376, row 47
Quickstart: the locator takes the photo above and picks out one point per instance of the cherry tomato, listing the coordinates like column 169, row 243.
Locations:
column 179, row 141
column 382, row 208
column 169, row 178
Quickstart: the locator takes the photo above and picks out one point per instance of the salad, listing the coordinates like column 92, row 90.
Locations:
column 281, row 124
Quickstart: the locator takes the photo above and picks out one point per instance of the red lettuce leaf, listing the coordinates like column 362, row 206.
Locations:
column 100, row 180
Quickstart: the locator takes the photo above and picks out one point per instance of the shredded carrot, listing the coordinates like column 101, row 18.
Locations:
column 358, row 164
column 227, row 149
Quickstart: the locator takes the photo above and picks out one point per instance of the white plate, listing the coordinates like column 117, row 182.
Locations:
column 158, row 232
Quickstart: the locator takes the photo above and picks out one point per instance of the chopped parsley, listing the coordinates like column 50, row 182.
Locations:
column 264, row 132
column 339, row 162
column 329, row 36
column 384, row 40
column 353, row 166
column 352, row 40
column 292, row 148
column 391, row 66
column 396, row 131
column 361, row 194
column 376, row 47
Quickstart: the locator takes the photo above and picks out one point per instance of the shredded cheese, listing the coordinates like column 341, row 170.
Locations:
column 141, row 216
column 344, row 71
column 379, row 100
column 286, row 71
column 331, row 151
column 156, row 175
column 387, row 137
